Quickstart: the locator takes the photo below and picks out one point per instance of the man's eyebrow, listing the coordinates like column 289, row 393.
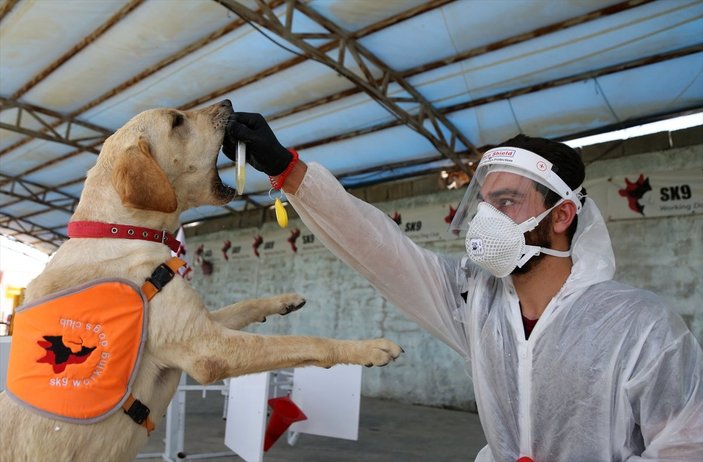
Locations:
column 506, row 192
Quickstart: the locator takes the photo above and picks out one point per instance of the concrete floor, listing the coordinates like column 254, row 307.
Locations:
column 388, row 431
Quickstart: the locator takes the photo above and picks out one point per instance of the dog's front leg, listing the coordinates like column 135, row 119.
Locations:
column 221, row 353
column 243, row 313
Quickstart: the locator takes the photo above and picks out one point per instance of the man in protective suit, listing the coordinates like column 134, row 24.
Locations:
column 567, row 364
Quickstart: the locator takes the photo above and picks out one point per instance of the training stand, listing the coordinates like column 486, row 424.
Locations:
column 175, row 425
column 329, row 399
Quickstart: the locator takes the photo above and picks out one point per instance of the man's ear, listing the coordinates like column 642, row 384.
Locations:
column 562, row 216
column 140, row 182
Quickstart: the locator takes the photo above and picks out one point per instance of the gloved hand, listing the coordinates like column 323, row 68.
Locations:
column 264, row 152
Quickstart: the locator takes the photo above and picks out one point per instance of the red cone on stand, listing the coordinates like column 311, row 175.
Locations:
column 284, row 413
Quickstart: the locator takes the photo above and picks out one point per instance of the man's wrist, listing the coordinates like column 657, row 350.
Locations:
column 277, row 181
column 295, row 178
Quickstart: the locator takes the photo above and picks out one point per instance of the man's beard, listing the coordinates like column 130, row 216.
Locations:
column 540, row 237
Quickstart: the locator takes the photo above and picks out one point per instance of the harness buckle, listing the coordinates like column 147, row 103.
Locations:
column 138, row 412
column 161, row 276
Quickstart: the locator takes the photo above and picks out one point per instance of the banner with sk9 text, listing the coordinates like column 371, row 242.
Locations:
column 648, row 194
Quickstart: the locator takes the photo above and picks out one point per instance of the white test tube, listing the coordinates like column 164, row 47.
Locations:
column 241, row 166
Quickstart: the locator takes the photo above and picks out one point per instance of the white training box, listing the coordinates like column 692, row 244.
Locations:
column 330, row 398
column 246, row 416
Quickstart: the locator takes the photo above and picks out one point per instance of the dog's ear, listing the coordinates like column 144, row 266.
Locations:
column 140, row 182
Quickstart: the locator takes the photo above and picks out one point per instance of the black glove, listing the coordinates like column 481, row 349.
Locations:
column 264, row 152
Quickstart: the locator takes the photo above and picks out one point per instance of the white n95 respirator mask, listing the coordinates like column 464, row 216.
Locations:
column 497, row 244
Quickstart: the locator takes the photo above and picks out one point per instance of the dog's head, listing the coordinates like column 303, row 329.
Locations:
column 165, row 160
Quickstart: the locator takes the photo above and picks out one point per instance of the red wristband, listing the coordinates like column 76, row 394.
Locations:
column 277, row 181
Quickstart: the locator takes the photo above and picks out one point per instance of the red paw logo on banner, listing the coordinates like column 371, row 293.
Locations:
column 396, row 218
column 225, row 247
column 258, row 240
column 634, row 191
column 449, row 217
column 294, row 235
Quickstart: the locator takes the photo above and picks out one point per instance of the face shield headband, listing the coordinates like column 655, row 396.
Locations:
column 519, row 163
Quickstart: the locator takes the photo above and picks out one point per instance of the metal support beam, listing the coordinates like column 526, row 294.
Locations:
column 50, row 121
column 29, row 191
column 20, row 226
column 375, row 78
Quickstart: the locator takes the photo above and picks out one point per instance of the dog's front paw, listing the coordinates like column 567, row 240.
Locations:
column 290, row 302
column 380, row 352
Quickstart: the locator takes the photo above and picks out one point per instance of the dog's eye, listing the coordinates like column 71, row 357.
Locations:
column 178, row 120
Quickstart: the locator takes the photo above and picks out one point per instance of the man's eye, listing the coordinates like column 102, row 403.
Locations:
column 177, row 121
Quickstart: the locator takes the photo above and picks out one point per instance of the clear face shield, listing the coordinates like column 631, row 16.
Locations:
column 505, row 200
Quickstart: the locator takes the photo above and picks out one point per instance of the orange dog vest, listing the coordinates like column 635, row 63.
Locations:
column 74, row 354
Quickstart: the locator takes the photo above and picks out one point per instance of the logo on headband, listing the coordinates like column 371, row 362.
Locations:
column 500, row 154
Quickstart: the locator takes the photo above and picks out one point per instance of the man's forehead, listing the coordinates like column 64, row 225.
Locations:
column 508, row 181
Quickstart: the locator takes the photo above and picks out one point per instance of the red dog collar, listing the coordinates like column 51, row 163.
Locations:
column 98, row 229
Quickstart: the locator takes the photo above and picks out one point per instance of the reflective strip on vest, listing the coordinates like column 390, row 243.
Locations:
column 74, row 354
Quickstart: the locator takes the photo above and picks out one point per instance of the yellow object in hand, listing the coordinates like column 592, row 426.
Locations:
column 281, row 214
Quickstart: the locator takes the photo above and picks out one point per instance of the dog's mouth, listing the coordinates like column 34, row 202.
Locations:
column 225, row 194
column 222, row 192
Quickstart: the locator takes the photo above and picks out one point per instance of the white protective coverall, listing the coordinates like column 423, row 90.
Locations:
column 609, row 373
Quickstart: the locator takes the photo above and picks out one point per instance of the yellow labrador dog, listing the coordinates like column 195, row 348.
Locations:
column 159, row 164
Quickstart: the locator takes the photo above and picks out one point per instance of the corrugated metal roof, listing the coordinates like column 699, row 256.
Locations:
column 76, row 70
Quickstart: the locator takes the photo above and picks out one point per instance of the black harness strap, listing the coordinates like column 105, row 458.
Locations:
column 162, row 275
